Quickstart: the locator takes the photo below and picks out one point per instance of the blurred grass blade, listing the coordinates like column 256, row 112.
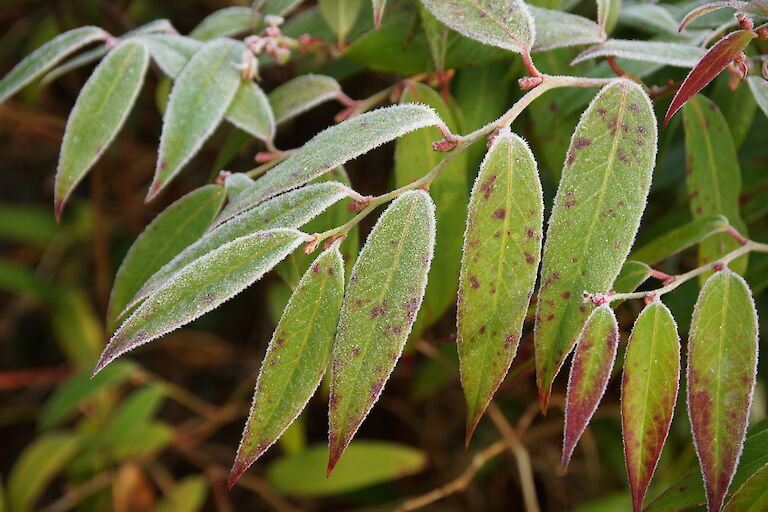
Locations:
column 296, row 358
column 250, row 111
column 301, row 94
column 383, row 296
column 752, row 496
column 199, row 99
column 175, row 228
column 648, row 394
column 47, row 56
column 502, row 247
column 596, row 214
column 722, row 362
column 670, row 54
column 550, row 33
column 759, row 88
column 331, row 148
column 171, row 52
column 378, row 11
column 679, row 239
column 187, row 495
column 225, row 22
column 202, row 286
column 100, row 111
column 280, row 7
column 591, row 368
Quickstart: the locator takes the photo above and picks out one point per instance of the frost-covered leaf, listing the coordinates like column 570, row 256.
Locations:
column 171, row 52
column 179, row 225
column 596, row 214
column 380, row 305
column 340, row 15
column 290, row 210
column 759, row 88
column 333, row 147
column 437, row 36
column 250, row 111
column 47, row 56
column 671, row 54
column 648, row 16
column 202, row 286
column 752, row 496
column 607, row 14
column 236, row 183
column 714, row 177
column 296, row 358
column 502, row 246
column 648, row 394
column 632, row 275
column 301, row 94
column 225, row 22
column 506, row 24
column 590, row 371
column 100, row 111
column 378, row 11
column 722, row 362
column 414, row 157
column 754, row 7
column 199, row 99
column 557, row 29
column 678, row 239
column 715, row 60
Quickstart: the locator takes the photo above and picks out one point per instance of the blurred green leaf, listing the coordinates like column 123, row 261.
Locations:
column 301, row 94
column 250, row 111
column 188, row 495
column 137, row 410
column 22, row 281
column 225, row 22
column 340, row 15
column 79, row 332
column 29, row 225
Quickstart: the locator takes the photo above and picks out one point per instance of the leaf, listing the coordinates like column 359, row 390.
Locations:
column 225, row 22
column 502, row 247
column 607, row 14
column 171, row 53
column 713, row 62
column 250, row 111
column 296, row 358
column 752, row 496
column 557, row 29
column 367, row 463
column 759, row 88
column 437, row 36
column 47, row 56
column 378, row 11
column 506, row 24
column 199, row 99
column 340, row 15
column 100, row 111
column 331, row 148
column 671, row 54
column 280, row 7
column 290, row 210
column 754, row 7
column 301, row 94
column 188, row 495
column 383, row 296
column 236, row 183
column 722, row 363
column 648, row 394
column 596, row 214
column 679, row 239
column 38, row 463
column 202, row 286
column 137, row 410
column 714, row 177
column 648, row 16
column 632, row 275
column 178, row 226
column 590, row 372
column 414, row 156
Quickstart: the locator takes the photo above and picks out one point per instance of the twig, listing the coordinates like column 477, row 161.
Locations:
column 74, row 496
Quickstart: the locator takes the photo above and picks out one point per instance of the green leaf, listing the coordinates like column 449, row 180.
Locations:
column 437, row 36
column 760, row 91
column 558, row 29
column 648, row 394
column 414, row 156
column 632, row 275
column 38, row 463
column 47, row 56
column 225, row 22
column 679, row 239
column 178, row 226
column 199, row 99
column 26, row 224
column 301, row 94
column 590, row 371
column 340, row 15
column 595, row 217
column 507, row 24
column 607, row 15
column 331, row 148
column 250, row 111
column 383, row 296
column 752, row 496
column 100, row 111
column 502, row 247
column 649, row 17
column 290, row 210
column 188, row 495
column 136, row 411
column 280, row 7
column 671, row 54
column 367, row 463
column 714, row 177
column 171, row 53
column 236, row 183
column 296, row 358
column 722, row 363
column 202, row 286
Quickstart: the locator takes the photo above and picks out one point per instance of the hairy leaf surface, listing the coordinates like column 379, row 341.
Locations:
column 722, row 362
column 202, row 286
column 383, row 296
column 557, row 29
column 301, row 94
column 437, row 36
column 648, row 394
column 225, row 22
column 759, row 88
column 632, row 275
column 171, row 52
column 250, row 111
column 502, row 247
column 596, row 214
column 591, row 368
column 679, row 239
column 752, row 496
column 100, row 111
column 672, row 54
column 236, row 183
column 296, row 358
column 607, row 14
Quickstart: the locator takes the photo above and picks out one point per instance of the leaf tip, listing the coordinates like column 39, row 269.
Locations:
column 234, row 475
column 154, row 189
column 544, row 393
